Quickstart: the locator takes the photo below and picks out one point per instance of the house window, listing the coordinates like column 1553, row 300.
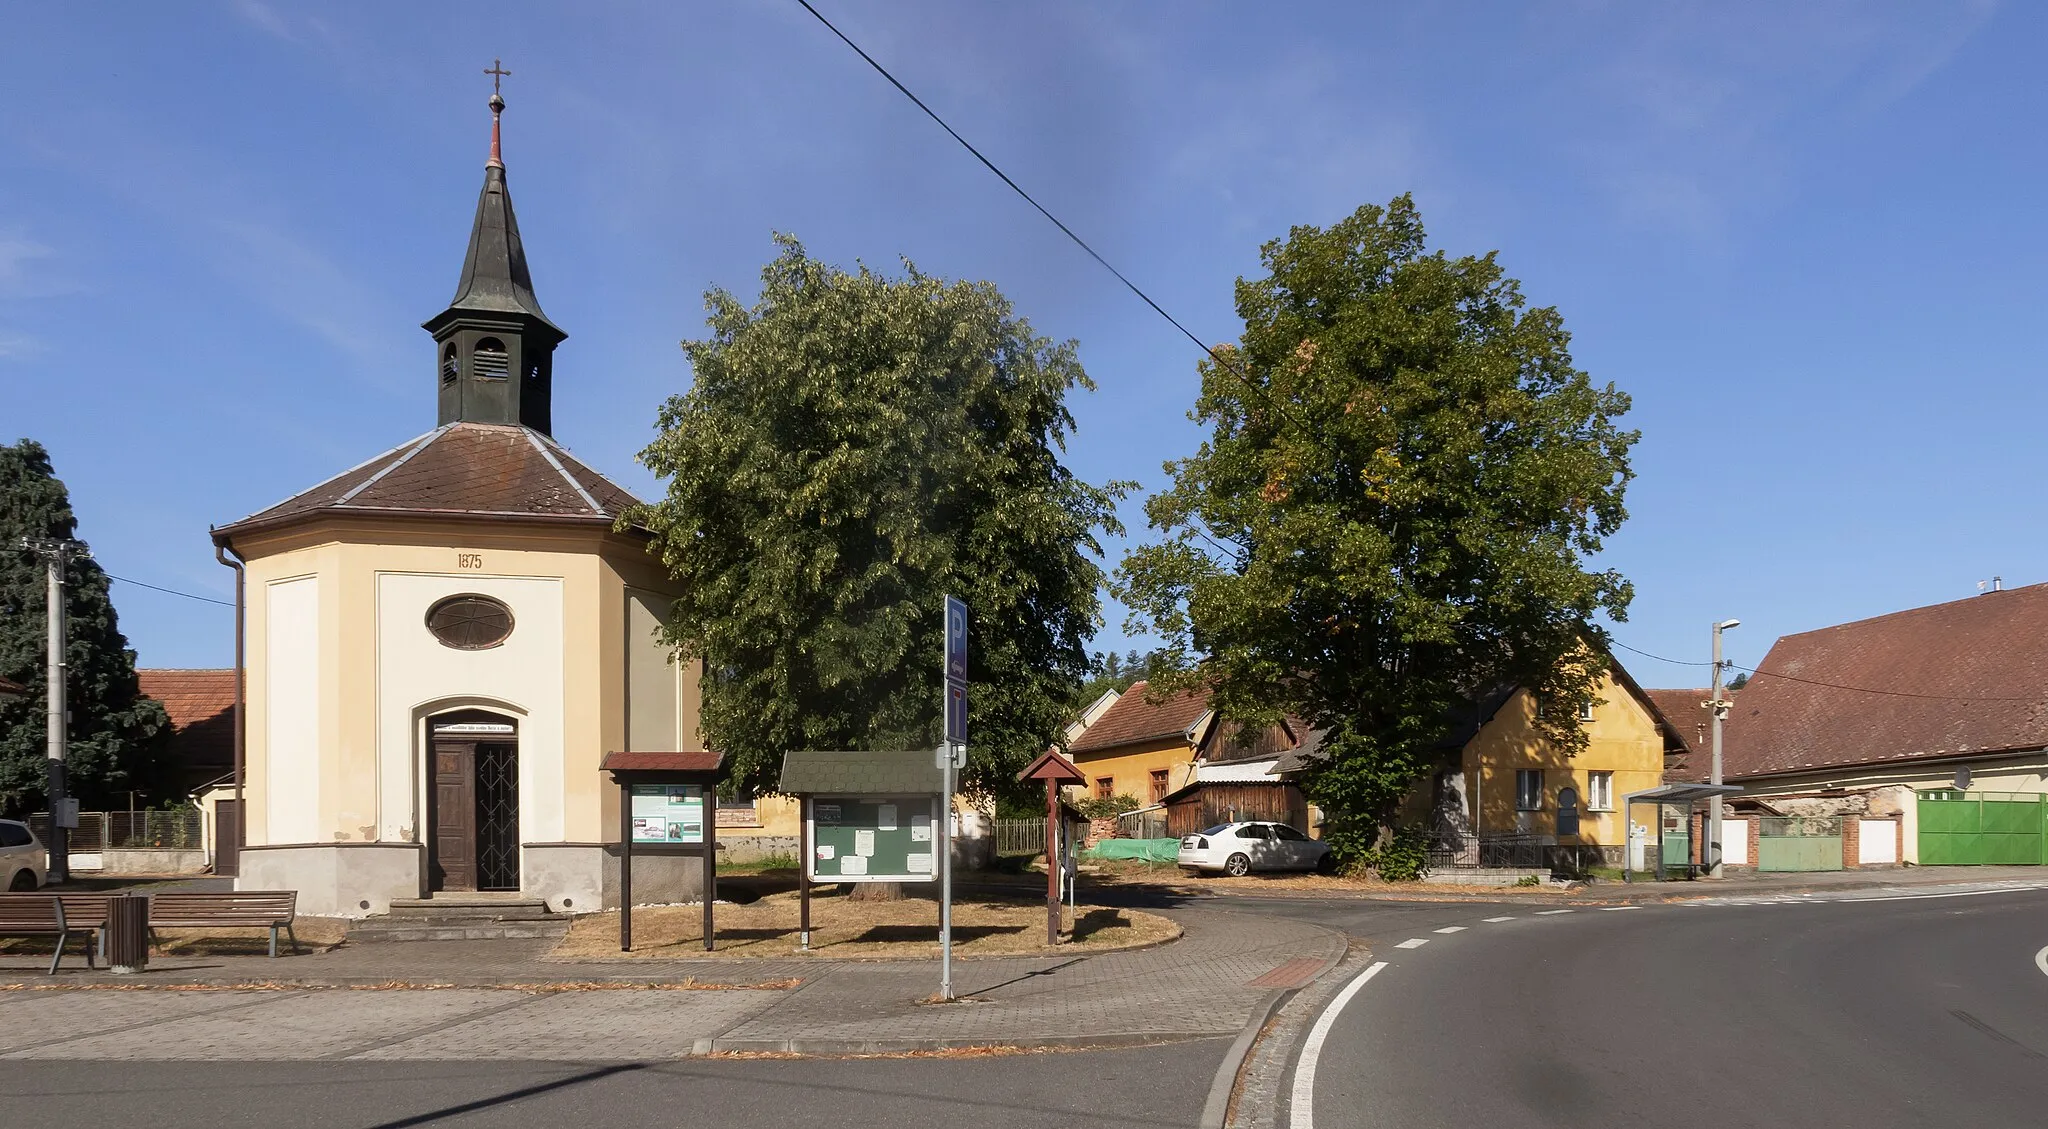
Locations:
column 1105, row 787
column 1528, row 789
column 1159, row 786
column 1586, row 711
column 1600, row 791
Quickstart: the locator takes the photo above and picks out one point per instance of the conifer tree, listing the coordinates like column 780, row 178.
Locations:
column 116, row 734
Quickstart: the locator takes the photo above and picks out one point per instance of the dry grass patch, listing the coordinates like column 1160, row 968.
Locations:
column 841, row 927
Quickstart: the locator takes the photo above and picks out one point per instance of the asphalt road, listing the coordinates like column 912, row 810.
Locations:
column 1140, row 1087
column 1926, row 1012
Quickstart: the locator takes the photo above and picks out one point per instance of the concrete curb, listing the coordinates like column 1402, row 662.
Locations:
column 105, row 983
column 1216, row 1110
column 703, row 1047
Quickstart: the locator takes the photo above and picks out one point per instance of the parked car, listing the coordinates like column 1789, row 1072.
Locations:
column 22, row 857
column 1238, row 849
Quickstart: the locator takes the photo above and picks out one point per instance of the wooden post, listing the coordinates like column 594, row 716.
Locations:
column 1052, row 862
column 803, row 876
column 710, row 860
column 625, row 868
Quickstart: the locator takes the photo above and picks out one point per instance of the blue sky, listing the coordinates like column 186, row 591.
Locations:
column 1807, row 239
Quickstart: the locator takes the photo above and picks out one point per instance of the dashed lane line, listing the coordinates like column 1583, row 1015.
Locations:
column 1498, row 920
column 1616, row 909
column 1548, row 912
column 2041, row 958
column 1413, row 943
column 1301, row 1100
column 1452, row 929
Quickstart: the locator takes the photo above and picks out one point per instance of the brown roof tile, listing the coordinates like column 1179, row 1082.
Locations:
column 697, row 760
column 1956, row 679
column 1692, row 723
column 1134, row 719
column 201, row 704
column 462, row 468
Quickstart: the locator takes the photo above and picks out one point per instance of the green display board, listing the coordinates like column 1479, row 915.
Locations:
column 668, row 813
column 872, row 838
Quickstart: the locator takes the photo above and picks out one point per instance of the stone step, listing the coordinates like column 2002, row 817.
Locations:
column 387, row 930
column 446, row 910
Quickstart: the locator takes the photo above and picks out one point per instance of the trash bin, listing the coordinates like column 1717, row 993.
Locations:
column 127, row 933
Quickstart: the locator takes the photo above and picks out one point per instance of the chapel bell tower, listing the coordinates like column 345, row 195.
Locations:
column 494, row 348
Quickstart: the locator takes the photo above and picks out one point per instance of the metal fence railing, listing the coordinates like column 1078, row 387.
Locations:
column 179, row 829
column 1020, row 836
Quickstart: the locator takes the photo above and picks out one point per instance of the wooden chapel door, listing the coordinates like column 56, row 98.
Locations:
column 454, row 838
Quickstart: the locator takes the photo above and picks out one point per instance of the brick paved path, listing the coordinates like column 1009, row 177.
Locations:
column 1198, row 986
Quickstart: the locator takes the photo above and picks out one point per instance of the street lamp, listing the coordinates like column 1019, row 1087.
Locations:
column 1720, row 707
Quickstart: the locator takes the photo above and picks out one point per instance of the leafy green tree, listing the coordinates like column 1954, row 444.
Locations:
column 1391, row 515
column 854, row 447
column 116, row 734
column 1111, row 671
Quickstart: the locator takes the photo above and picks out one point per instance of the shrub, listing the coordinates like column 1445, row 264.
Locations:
column 1102, row 807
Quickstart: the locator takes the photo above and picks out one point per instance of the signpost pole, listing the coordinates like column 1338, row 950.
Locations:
column 944, row 817
column 625, row 868
column 710, row 861
column 1054, row 862
column 803, row 879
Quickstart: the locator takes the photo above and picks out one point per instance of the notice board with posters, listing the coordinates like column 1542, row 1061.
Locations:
column 667, row 813
column 872, row 838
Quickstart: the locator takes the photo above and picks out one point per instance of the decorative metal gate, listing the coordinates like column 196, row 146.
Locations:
column 1983, row 828
column 497, row 817
column 1799, row 842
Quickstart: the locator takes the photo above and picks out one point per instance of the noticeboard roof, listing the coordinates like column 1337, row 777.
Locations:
column 696, row 762
column 910, row 772
column 1050, row 765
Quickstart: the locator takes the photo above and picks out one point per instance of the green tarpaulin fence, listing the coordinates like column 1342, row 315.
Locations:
column 1151, row 850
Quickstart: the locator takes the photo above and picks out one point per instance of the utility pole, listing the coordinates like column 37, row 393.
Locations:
column 1720, row 707
column 56, row 554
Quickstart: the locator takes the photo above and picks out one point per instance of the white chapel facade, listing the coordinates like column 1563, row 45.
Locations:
column 443, row 642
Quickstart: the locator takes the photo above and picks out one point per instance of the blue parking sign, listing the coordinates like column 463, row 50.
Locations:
column 956, row 712
column 956, row 641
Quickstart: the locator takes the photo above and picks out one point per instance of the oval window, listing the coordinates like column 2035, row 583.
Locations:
column 470, row 623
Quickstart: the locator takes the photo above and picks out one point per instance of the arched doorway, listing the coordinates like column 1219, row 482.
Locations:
column 472, row 801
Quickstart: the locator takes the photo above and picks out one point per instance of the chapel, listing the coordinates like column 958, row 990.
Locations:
column 442, row 643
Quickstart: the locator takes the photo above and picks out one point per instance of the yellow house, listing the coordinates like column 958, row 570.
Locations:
column 1511, row 781
column 1130, row 746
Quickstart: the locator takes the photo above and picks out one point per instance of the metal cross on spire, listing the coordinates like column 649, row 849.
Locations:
column 497, row 72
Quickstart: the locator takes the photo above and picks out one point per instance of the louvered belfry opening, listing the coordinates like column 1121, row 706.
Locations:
column 497, row 816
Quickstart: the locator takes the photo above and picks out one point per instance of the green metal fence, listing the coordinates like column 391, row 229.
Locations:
column 1983, row 828
column 1799, row 843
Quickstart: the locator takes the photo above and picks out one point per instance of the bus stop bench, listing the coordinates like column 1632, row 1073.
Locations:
column 55, row 915
column 241, row 909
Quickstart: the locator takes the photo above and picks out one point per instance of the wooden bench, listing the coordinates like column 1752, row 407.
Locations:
column 55, row 915
column 237, row 909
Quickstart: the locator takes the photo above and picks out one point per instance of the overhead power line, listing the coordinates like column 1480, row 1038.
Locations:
column 1755, row 673
column 172, row 591
column 1223, row 362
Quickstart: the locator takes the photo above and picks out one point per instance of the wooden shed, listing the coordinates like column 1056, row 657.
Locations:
column 1224, row 793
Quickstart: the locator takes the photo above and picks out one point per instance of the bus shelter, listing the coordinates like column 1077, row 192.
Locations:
column 1687, row 796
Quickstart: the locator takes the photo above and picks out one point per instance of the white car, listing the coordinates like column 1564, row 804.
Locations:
column 1238, row 849
column 22, row 857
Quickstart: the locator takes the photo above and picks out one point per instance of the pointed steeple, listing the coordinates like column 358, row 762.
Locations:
column 494, row 345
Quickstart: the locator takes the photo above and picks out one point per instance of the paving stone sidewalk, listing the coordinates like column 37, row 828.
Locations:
column 1199, row 986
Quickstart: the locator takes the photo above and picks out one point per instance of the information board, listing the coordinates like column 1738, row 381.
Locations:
column 872, row 838
column 667, row 813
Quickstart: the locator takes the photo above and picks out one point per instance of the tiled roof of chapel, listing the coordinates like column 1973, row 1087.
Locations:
column 474, row 469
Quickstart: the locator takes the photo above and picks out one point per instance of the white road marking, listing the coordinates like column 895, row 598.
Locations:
column 1301, row 1101
column 1413, row 943
column 1548, row 912
column 1616, row 909
column 2041, row 958
column 1452, row 929
column 1497, row 920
